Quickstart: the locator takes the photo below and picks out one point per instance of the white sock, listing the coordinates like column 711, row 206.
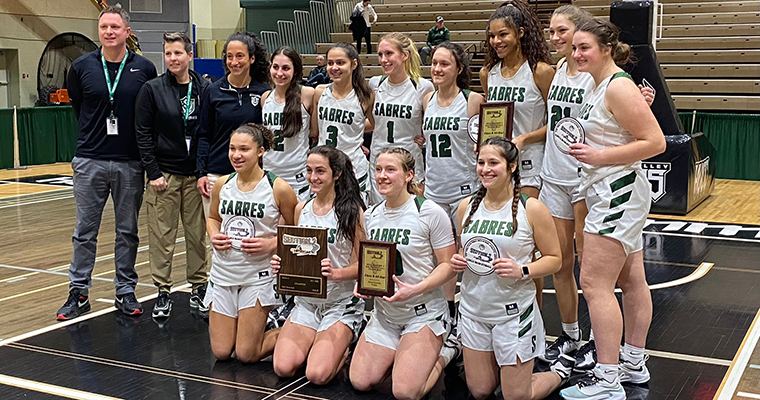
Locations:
column 632, row 354
column 572, row 330
column 608, row 372
column 591, row 335
column 448, row 354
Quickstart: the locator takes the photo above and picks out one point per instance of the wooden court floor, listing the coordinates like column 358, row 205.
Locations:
column 703, row 343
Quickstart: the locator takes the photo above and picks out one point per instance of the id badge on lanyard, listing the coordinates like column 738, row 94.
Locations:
column 112, row 123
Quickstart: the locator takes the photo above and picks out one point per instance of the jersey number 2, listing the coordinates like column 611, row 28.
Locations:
column 279, row 141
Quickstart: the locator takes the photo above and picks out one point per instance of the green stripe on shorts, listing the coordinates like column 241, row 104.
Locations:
column 526, row 313
column 613, row 217
column 525, row 330
column 607, row 230
column 622, row 182
column 620, row 199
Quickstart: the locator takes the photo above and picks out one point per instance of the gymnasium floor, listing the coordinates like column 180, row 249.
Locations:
column 703, row 343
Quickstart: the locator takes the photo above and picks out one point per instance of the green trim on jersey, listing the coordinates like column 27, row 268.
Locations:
column 229, row 177
column 418, row 202
column 466, row 93
column 621, row 74
column 304, row 189
column 384, row 77
column 524, row 200
column 399, row 264
column 271, row 177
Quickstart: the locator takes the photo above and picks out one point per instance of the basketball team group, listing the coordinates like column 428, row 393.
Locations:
column 255, row 149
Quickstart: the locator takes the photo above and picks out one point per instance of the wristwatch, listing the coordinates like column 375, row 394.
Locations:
column 525, row 272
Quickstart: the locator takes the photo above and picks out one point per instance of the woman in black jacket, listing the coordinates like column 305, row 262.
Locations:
column 166, row 121
column 229, row 103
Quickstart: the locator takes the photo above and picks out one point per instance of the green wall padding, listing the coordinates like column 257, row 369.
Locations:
column 46, row 135
column 6, row 138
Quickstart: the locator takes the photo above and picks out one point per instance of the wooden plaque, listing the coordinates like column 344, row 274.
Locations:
column 496, row 119
column 377, row 265
column 301, row 250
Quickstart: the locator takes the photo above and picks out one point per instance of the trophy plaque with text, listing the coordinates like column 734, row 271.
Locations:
column 495, row 120
column 377, row 263
column 301, row 251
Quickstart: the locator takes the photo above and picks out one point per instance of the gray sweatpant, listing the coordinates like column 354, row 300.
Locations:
column 94, row 180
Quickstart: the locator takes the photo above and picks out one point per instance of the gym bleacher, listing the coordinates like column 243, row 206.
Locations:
column 709, row 51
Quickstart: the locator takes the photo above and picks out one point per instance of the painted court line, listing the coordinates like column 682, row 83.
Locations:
column 51, row 389
column 736, row 370
column 36, row 271
column 36, row 202
column 85, row 317
column 703, row 237
column 748, row 395
column 285, row 387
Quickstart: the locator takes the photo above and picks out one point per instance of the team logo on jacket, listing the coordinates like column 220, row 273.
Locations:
column 184, row 101
column 255, row 99
column 480, row 254
column 239, row 228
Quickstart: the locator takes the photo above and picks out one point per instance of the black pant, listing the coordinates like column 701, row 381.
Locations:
column 367, row 38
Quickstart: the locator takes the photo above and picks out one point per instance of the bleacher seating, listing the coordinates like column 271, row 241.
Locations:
column 709, row 51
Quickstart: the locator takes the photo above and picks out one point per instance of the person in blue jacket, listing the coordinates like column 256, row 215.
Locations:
column 227, row 104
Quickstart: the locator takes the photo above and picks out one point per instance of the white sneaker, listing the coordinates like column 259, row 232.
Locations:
column 594, row 388
column 634, row 373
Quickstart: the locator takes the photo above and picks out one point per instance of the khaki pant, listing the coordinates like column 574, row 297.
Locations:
column 180, row 199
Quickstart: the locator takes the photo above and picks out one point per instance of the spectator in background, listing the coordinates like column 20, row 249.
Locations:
column 318, row 74
column 368, row 13
column 436, row 35
column 103, row 86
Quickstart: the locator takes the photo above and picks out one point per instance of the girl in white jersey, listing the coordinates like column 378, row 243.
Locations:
column 500, row 324
column 285, row 112
column 246, row 207
column 341, row 108
column 517, row 68
column 318, row 332
column 560, row 174
column 405, row 332
column 397, row 110
column 620, row 131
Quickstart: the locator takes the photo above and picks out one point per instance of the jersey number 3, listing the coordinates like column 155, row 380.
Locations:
column 332, row 136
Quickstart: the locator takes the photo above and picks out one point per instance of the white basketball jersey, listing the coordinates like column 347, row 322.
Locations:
column 398, row 119
column 417, row 227
column 450, row 160
column 287, row 157
column 338, row 250
column 602, row 132
column 530, row 111
column 245, row 214
column 341, row 125
column 566, row 95
column 485, row 296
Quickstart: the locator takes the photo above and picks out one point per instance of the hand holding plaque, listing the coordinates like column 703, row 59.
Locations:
column 301, row 251
column 494, row 120
column 377, row 263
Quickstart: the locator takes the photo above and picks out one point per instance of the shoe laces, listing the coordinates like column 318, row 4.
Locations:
column 586, row 348
column 129, row 297
column 560, row 342
column 163, row 299
column 73, row 299
column 589, row 380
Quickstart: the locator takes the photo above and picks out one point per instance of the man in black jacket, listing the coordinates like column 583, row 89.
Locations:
column 165, row 126
column 103, row 86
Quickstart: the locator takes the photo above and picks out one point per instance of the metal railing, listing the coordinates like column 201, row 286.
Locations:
column 271, row 40
column 320, row 21
column 305, row 40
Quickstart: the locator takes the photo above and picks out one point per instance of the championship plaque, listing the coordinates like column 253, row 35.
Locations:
column 377, row 263
column 495, row 119
column 301, row 251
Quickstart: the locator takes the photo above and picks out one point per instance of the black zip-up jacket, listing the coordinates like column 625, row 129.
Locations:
column 224, row 108
column 159, row 127
column 89, row 97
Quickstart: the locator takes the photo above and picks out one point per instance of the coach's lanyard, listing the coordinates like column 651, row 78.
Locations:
column 187, row 103
column 112, row 88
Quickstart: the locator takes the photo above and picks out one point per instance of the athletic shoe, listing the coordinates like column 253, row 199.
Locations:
column 564, row 344
column 585, row 357
column 592, row 387
column 196, row 298
column 163, row 306
column 563, row 367
column 634, row 373
column 281, row 313
column 128, row 304
column 76, row 305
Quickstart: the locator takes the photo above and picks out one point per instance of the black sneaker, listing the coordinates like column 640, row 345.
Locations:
column 563, row 367
column 76, row 305
column 281, row 313
column 564, row 344
column 163, row 306
column 585, row 357
column 128, row 304
column 196, row 298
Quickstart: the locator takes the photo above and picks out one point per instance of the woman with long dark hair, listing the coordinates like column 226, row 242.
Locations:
column 286, row 112
column 229, row 103
column 318, row 332
column 341, row 108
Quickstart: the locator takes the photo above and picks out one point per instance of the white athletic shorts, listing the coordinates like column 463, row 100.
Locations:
column 228, row 300
column 321, row 316
column 388, row 334
column 521, row 336
column 559, row 199
column 618, row 206
column 531, row 181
